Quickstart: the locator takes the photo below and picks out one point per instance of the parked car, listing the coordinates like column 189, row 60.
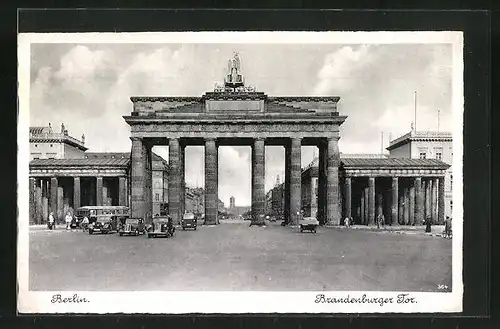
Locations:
column 103, row 224
column 132, row 226
column 308, row 224
column 189, row 220
column 162, row 227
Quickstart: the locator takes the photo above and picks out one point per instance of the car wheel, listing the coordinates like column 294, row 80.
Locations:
column 183, row 228
column 195, row 228
column 91, row 231
column 121, row 233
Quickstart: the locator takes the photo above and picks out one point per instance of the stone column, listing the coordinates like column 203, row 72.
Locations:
column 38, row 202
column 427, row 198
column 419, row 200
column 183, row 179
column 32, row 205
column 441, row 200
column 371, row 200
column 394, row 201
column 348, row 197
column 411, row 218
column 138, row 179
column 434, row 200
column 401, row 209
column 362, row 207
column 99, row 190
column 295, row 181
column 367, row 206
column 174, row 180
column 76, row 193
column 45, row 199
column 122, row 191
column 286, row 189
column 53, row 196
column 332, row 185
column 380, row 203
column 210, row 182
column 406, row 218
column 258, row 180
column 322, row 183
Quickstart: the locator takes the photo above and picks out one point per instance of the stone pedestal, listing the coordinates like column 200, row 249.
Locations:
column 295, row 181
column 332, row 194
column 211, row 182
column 394, row 201
column 258, row 181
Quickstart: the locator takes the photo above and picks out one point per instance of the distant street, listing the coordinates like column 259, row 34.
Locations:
column 234, row 256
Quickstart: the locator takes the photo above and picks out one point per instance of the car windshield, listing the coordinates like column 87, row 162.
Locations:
column 189, row 216
column 132, row 221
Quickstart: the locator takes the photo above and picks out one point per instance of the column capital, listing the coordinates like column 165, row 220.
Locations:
column 136, row 139
column 259, row 139
column 333, row 139
column 210, row 139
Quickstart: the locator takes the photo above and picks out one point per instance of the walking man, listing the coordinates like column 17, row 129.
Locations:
column 51, row 221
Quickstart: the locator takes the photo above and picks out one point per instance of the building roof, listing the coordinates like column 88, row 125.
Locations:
column 420, row 136
column 107, row 155
column 394, row 163
column 47, row 135
column 105, row 162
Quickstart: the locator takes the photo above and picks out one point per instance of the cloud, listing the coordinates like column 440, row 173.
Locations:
column 339, row 69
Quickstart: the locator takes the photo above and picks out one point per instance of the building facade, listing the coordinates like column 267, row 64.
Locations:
column 428, row 145
column 63, row 176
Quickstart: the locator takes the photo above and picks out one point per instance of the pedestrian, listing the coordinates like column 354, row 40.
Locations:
column 85, row 223
column 68, row 220
column 428, row 224
column 380, row 220
column 447, row 228
column 51, row 221
column 347, row 222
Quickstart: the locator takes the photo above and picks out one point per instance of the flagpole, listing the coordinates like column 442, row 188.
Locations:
column 438, row 119
column 415, row 113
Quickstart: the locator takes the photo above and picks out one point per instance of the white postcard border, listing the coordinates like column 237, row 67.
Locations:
column 236, row 302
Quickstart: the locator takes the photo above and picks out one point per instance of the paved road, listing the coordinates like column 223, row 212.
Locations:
column 234, row 256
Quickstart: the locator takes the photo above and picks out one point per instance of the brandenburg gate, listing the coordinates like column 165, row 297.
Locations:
column 234, row 114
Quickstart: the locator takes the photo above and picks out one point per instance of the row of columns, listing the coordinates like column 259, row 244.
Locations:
column 329, row 154
column 418, row 200
column 48, row 195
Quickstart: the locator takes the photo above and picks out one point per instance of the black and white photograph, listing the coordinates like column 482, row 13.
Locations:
column 240, row 172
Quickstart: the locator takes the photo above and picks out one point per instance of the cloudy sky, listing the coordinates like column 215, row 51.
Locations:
column 88, row 88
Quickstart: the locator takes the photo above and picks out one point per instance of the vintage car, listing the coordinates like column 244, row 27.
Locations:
column 162, row 227
column 189, row 220
column 93, row 212
column 132, row 226
column 308, row 224
column 103, row 224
